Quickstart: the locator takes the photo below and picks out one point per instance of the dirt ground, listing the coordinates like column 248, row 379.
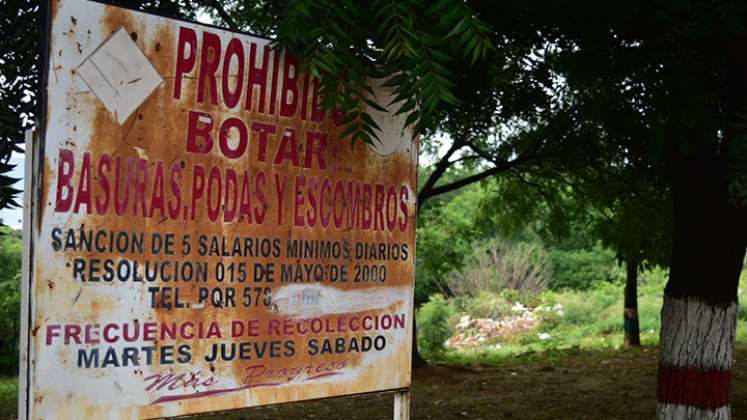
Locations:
column 572, row 384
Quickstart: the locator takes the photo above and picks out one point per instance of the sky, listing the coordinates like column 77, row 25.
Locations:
column 14, row 217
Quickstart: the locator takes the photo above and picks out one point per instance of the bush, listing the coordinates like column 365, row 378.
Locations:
column 10, row 310
column 433, row 325
column 742, row 314
column 581, row 269
column 486, row 305
column 579, row 309
column 501, row 265
column 10, row 299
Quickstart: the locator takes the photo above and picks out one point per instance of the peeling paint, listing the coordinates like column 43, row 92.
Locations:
column 336, row 301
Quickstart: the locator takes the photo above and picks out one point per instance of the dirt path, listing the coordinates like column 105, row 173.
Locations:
column 566, row 385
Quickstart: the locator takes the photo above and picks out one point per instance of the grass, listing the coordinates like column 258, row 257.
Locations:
column 8, row 396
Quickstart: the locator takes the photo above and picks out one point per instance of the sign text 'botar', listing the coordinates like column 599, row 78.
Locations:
column 199, row 236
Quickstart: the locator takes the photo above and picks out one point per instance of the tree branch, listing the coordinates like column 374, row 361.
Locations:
column 483, row 154
column 548, row 197
column 498, row 168
column 441, row 166
column 215, row 5
column 464, row 159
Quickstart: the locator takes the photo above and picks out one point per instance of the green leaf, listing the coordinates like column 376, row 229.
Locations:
column 349, row 129
column 415, row 116
column 374, row 105
column 459, row 27
column 370, row 121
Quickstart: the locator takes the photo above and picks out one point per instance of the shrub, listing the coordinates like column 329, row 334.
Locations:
column 581, row 269
column 10, row 299
column 10, row 310
column 742, row 314
column 579, row 309
column 486, row 305
column 501, row 265
column 433, row 325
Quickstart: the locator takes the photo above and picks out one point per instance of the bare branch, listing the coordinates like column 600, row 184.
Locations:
column 441, row 166
column 498, row 168
column 218, row 7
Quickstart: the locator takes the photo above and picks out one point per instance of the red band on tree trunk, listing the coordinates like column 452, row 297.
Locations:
column 693, row 387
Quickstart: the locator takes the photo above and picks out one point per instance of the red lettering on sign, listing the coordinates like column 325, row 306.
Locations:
column 209, row 62
column 198, row 188
column 84, row 187
column 184, row 64
column 200, row 124
column 225, row 148
column 65, row 170
column 316, row 145
column 234, row 49
column 288, row 149
column 257, row 77
column 289, row 97
column 298, row 194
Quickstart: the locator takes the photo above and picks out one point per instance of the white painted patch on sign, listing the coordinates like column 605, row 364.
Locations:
column 120, row 75
column 392, row 136
column 309, row 301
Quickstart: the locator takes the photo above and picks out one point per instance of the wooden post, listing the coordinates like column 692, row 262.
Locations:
column 402, row 405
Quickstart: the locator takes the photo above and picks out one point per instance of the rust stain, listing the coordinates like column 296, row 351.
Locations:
column 47, row 178
column 116, row 17
column 54, row 8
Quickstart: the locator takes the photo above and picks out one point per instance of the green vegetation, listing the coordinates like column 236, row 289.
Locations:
column 11, row 248
column 565, row 319
column 481, row 265
column 433, row 318
column 10, row 299
column 583, row 268
column 8, row 396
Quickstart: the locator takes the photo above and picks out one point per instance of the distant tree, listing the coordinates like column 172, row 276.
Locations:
column 637, row 225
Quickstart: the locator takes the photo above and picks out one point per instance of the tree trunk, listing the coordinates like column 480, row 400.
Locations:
column 697, row 340
column 630, row 313
column 698, row 318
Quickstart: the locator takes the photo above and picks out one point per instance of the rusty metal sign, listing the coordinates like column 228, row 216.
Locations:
column 199, row 236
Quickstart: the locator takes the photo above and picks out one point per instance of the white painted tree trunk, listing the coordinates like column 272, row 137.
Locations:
column 695, row 359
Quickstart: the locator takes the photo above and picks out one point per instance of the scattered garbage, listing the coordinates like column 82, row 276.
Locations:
column 475, row 332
